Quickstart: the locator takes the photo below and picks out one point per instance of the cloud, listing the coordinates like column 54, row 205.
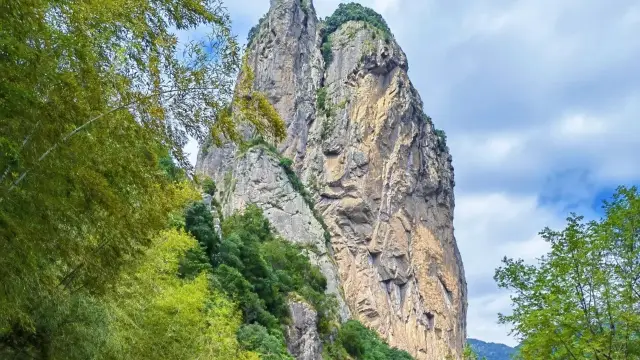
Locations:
column 483, row 314
column 540, row 100
column 492, row 225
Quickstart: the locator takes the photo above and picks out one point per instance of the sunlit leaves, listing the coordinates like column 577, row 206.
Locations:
column 581, row 299
column 154, row 314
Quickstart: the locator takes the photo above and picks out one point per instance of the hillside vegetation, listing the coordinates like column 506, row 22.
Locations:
column 350, row 12
column 491, row 351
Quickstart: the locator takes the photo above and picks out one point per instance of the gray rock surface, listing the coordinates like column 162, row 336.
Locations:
column 288, row 68
column 303, row 341
column 257, row 178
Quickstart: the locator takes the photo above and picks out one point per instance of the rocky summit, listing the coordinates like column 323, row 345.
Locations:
column 369, row 187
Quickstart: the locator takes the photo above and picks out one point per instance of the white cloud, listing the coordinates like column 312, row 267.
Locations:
column 490, row 226
column 482, row 318
column 579, row 126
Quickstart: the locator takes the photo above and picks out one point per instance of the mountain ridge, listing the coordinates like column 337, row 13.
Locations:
column 491, row 350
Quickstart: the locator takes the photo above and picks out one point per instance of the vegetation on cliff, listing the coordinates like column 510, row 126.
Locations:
column 258, row 271
column 255, row 30
column 350, row 12
column 356, row 341
column 293, row 178
column 580, row 301
column 354, row 12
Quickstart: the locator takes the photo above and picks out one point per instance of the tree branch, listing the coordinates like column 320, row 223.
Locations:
column 88, row 123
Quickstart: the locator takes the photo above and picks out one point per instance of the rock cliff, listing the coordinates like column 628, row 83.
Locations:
column 303, row 341
column 379, row 172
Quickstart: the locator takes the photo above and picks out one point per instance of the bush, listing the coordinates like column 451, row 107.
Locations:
column 442, row 140
column 321, row 98
column 209, row 186
column 257, row 338
column 344, row 14
column 286, row 163
column 258, row 271
column 259, row 141
column 327, row 53
column 362, row 343
column 199, row 223
column 354, row 12
column 172, row 171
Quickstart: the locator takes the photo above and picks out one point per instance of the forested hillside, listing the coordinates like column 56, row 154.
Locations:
column 491, row 351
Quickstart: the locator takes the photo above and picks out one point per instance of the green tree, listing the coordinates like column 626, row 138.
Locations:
column 257, row 338
column 153, row 314
column 96, row 102
column 581, row 300
column 209, row 187
column 354, row 12
column 362, row 343
column 345, row 13
column 469, row 354
column 199, row 223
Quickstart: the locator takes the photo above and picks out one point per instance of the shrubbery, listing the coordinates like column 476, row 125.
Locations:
column 354, row 12
column 442, row 140
column 360, row 343
column 350, row 12
column 209, row 187
column 258, row 271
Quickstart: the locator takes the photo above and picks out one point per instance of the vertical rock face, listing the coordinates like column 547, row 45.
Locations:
column 288, row 68
column 256, row 177
column 381, row 176
column 303, row 341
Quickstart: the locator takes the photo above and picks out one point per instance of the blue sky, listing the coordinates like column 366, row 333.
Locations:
column 540, row 100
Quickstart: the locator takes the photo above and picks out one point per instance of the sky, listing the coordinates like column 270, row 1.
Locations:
column 540, row 100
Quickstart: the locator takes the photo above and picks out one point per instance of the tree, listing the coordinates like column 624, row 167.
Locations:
column 153, row 314
column 199, row 223
column 350, row 12
column 257, row 338
column 209, row 187
column 362, row 343
column 469, row 354
column 96, row 102
column 581, row 300
column 354, row 12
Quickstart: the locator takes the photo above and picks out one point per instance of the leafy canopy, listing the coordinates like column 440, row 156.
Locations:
column 345, row 13
column 582, row 299
column 156, row 315
column 358, row 342
column 96, row 103
column 354, row 12
column 259, row 271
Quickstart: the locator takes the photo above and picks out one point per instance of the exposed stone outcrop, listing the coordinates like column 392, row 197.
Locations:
column 381, row 176
column 256, row 177
column 288, row 68
column 303, row 341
